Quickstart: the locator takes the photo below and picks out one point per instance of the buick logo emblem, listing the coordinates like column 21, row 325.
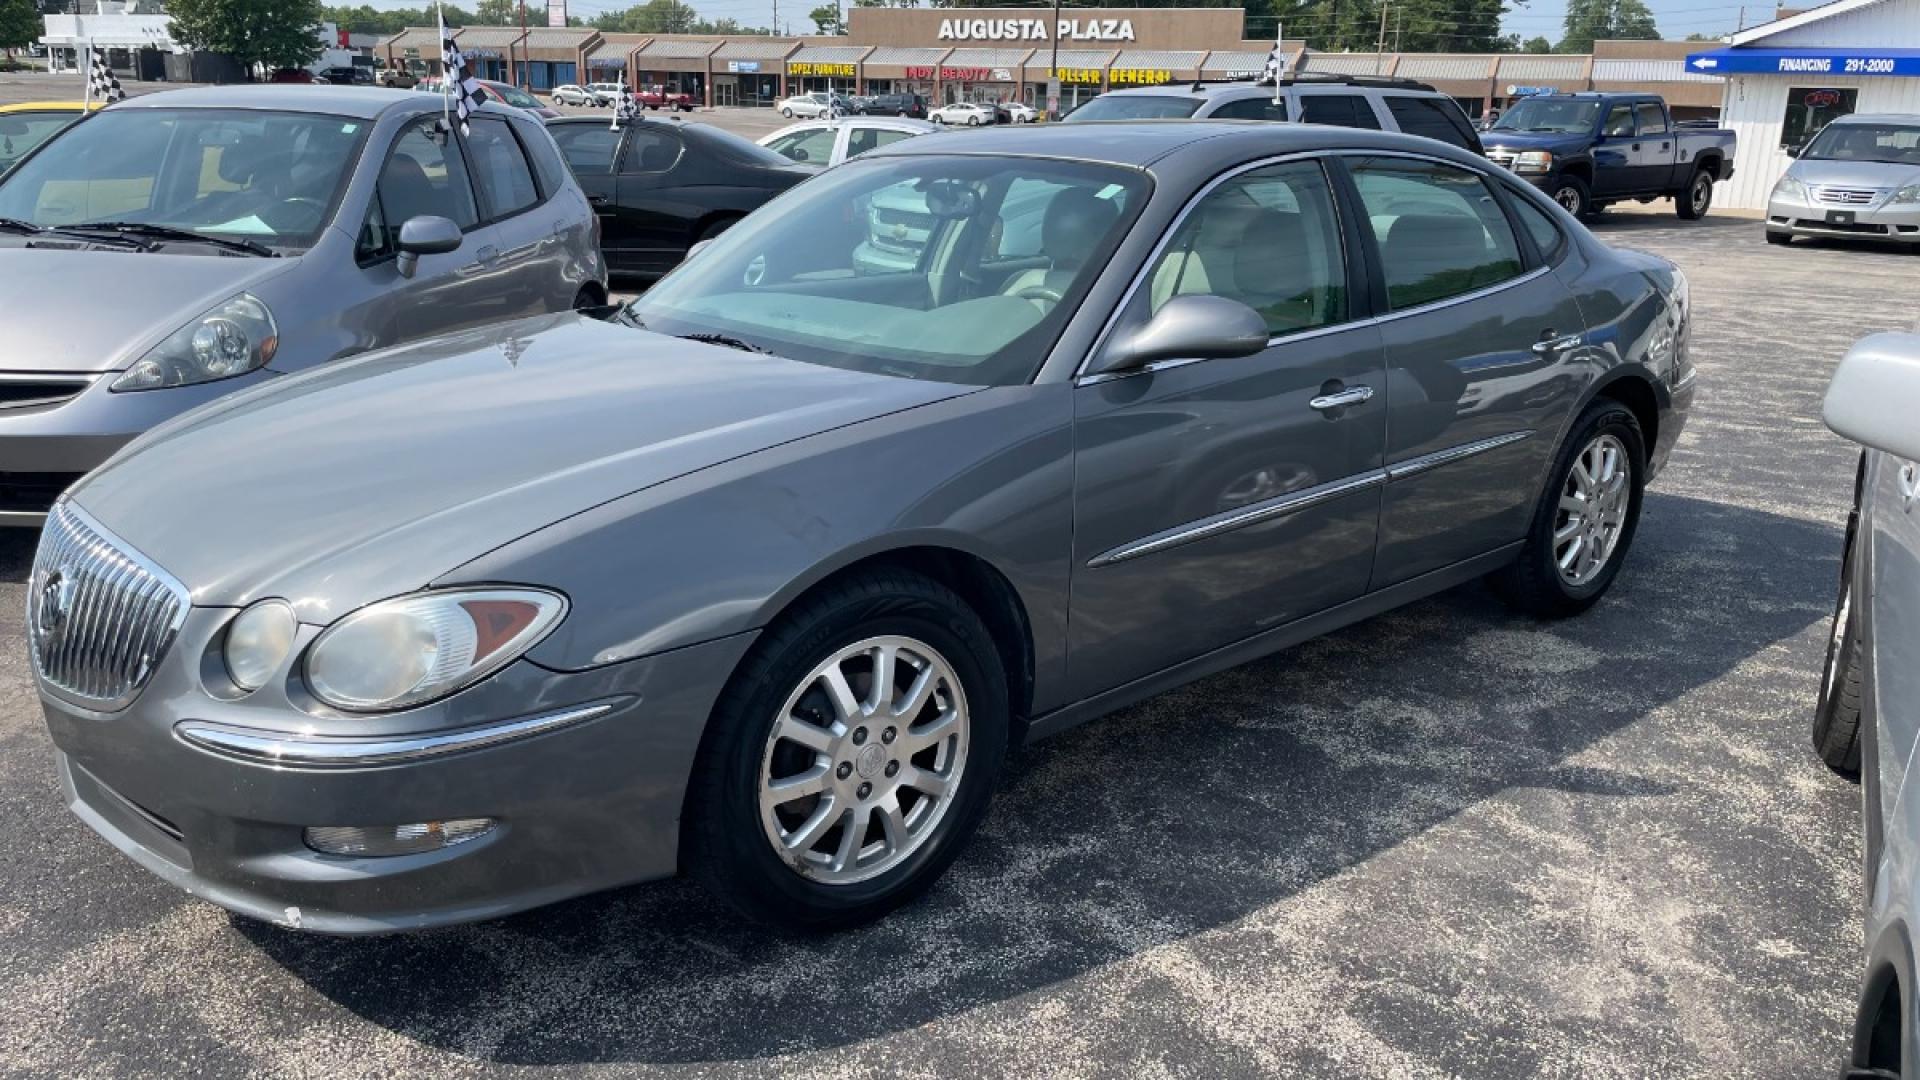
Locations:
column 56, row 603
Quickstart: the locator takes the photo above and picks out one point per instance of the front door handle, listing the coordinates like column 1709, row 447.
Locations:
column 597, row 200
column 1548, row 344
column 1352, row 395
column 1636, row 146
column 487, row 255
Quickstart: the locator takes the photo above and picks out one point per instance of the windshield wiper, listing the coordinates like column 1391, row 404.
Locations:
column 167, row 232
column 729, row 342
column 16, row 225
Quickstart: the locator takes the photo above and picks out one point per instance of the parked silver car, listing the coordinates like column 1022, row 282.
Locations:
column 763, row 578
column 184, row 245
column 1859, row 179
column 1867, row 719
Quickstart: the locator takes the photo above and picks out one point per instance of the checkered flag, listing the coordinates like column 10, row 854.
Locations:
column 625, row 108
column 1277, row 59
column 459, row 87
column 101, row 81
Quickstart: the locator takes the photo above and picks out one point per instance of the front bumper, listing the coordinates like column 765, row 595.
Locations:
column 580, row 806
column 1880, row 220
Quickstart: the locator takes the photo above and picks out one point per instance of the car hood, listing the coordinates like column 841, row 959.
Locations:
column 99, row 310
column 1558, row 142
column 371, row 477
column 1854, row 174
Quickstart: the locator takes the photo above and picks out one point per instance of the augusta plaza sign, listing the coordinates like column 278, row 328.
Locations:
column 1035, row 30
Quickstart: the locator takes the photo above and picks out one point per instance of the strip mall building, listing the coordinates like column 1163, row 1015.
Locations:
column 1004, row 54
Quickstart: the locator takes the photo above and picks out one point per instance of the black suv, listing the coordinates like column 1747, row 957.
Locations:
column 894, row 105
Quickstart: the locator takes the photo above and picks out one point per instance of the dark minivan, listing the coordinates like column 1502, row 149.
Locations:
column 894, row 105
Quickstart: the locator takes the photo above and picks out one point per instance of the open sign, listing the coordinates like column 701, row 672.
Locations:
column 1820, row 99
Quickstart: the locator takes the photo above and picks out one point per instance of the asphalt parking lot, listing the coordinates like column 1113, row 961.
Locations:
column 1448, row 842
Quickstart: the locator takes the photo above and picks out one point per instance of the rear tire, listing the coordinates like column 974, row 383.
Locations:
column 1836, row 715
column 1582, row 511
column 1783, row 239
column 760, row 847
column 1692, row 204
column 1573, row 195
column 788, row 113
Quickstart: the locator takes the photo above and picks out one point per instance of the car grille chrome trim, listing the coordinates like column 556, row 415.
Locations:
column 31, row 390
column 99, row 614
column 294, row 751
column 1502, row 157
column 1265, row 510
column 1845, row 196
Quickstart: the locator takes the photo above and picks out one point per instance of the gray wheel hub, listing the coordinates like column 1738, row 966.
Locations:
column 1594, row 498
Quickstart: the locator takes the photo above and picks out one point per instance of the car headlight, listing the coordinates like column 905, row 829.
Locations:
column 234, row 338
column 1537, row 161
column 1908, row 194
column 258, row 640
column 1790, row 187
column 413, row 649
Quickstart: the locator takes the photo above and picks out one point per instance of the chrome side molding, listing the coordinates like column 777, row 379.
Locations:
column 1417, row 465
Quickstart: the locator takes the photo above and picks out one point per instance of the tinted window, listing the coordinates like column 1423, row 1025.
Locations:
column 1439, row 231
column 1546, row 235
column 22, row 131
column 420, row 178
column 1619, row 121
column 1653, row 119
column 649, row 151
column 546, row 157
column 1433, row 119
column 1340, row 110
column 588, row 148
column 1136, row 107
column 500, row 166
column 1269, row 239
column 1251, row 109
column 1566, row 115
column 815, row 145
column 862, row 140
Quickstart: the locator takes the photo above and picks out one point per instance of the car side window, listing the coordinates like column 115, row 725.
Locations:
column 1439, row 231
column 1260, row 108
column 1339, row 110
column 813, row 145
column 546, row 156
column 1653, row 119
column 652, row 151
column 588, row 148
column 1432, row 119
column 1269, row 238
column 1619, row 121
column 862, row 140
column 505, row 178
column 1547, row 236
column 423, row 177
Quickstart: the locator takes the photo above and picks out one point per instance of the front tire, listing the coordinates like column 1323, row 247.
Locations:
column 788, row 113
column 1585, row 521
column 1692, row 203
column 1836, row 715
column 851, row 756
column 1573, row 195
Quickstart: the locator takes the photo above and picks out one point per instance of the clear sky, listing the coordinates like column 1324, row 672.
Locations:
column 1676, row 18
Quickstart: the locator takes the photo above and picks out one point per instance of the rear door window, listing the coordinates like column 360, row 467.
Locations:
column 1339, row 110
column 653, row 151
column 1251, row 109
column 1653, row 119
column 1438, row 228
column 588, row 148
column 504, row 177
column 861, row 140
column 814, row 145
column 1433, row 119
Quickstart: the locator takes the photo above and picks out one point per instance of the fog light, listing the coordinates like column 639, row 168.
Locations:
column 396, row 839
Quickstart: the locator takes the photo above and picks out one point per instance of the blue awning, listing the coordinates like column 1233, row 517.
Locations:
column 1801, row 62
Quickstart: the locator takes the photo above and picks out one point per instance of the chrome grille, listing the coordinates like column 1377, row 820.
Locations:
column 99, row 615
column 1502, row 156
column 1840, row 196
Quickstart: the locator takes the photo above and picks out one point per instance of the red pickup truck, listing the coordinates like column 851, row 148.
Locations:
column 657, row 97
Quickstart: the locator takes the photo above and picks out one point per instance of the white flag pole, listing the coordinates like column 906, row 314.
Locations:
column 86, row 98
column 446, row 77
column 1279, row 59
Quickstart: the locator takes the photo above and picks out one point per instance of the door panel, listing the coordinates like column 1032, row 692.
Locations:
column 1654, row 162
column 1213, row 500
column 1472, row 404
column 590, row 151
column 1892, row 527
column 655, row 214
column 1616, row 153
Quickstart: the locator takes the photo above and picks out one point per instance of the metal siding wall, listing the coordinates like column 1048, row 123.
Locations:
column 1891, row 23
column 1754, row 110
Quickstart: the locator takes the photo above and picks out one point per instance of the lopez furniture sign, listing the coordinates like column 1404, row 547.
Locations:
column 844, row 71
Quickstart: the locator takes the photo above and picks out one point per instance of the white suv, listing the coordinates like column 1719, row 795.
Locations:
column 1378, row 102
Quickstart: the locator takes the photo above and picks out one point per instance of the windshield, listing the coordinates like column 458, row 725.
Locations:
column 1135, row 107
column 20, row 132
column 1891, row 144
column 956, row 269
column 1550, row 114
column 268, row 177
column 514, row 96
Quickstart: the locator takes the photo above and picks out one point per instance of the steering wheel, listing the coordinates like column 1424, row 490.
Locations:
column 1040, row 292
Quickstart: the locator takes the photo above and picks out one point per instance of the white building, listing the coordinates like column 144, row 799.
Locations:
column 1785, row 79
column 67, row 35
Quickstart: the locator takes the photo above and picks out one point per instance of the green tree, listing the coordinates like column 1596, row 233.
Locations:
column 277, row 33
column 1602, row 20
column 498, row 13
column 1696, row 36
column 826, row 18
column 20, row 24
column 1537, row 45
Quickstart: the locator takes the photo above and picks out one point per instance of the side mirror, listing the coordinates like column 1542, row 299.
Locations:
column 426, row 235
column 1187, row 328
column 1876, row 392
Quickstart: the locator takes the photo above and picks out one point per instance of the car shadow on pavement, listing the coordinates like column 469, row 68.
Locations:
column 1190, row 812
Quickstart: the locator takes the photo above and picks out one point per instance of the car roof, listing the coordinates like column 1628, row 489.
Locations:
column 365, row 102
column 1877, row 118
column 1141, row 144
column 1206, row 90
column 51, row 106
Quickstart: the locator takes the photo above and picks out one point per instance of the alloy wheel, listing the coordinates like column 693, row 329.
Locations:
column 1701, row 193
column 1594, row 499
column 864, row 760
column 1569, row 198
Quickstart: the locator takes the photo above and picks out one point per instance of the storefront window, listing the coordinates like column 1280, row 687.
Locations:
column 1811, row 108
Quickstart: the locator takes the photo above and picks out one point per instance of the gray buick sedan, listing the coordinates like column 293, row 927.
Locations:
column 762, row 578
column 184, row 245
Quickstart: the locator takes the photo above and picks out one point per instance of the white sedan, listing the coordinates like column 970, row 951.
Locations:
column 830, row 142
column 816, row 104
column 571, row 94
column 605, row 93
column 970, row 113
column 1021, row 112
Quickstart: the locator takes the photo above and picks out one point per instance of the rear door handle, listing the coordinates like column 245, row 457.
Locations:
column 1352, row 395
column 1549, row 345
column 597, row 200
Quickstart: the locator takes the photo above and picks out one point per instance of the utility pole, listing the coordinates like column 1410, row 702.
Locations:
column 523, row 80
column 1053, row 65
column 1380, row 43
